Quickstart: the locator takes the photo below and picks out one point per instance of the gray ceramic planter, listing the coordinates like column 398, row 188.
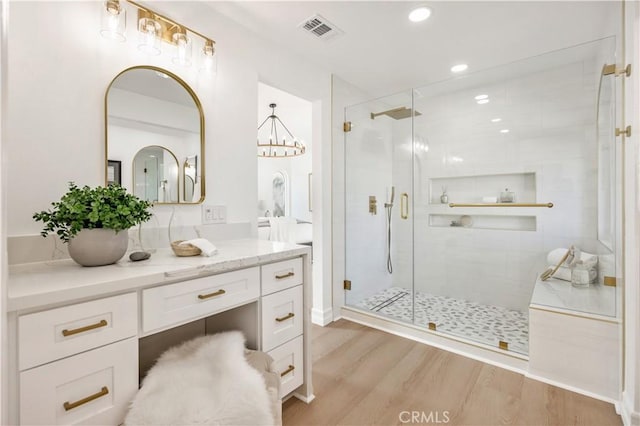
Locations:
column 97, row 247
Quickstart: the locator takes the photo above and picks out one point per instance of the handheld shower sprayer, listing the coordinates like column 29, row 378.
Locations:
column 389, row 207
column 393, row 192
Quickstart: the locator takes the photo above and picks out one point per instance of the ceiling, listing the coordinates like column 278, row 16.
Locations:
column 382, row 52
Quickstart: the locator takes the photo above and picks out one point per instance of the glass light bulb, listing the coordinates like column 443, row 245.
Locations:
column 149, row 36
column 183, row 49
column 114, row 21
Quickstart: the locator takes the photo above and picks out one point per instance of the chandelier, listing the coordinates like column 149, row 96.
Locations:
column 276, row 147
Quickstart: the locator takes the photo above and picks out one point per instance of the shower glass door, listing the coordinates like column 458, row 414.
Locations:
column 378, row 206
column 496, row 176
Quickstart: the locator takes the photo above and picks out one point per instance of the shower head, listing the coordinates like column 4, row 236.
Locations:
column 397, row 113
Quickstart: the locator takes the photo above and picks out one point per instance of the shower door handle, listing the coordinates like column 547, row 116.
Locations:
column 404, row 206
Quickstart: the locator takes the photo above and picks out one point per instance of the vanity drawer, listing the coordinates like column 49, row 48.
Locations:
column 281, row 275
column 94, row 387
column 57, row 333
column 288, row 362
column 178, row 303
column 281, row 317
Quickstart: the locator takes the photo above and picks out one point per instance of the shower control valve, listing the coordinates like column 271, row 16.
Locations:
column 373, row 204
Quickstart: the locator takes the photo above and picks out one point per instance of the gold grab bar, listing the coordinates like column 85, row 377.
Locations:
column 404, row 205
column 286, row 317
column 214, row 294
column 287, row 275
column 287, row 371
column 66, row 333
column 71, row 405
column 549, row 205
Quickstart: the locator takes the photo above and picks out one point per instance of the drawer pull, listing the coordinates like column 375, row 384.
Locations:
column 287, row 371
column 287, row 275
column 214, row 294
column 66, row 333
column 286, row 317
column 71, row 405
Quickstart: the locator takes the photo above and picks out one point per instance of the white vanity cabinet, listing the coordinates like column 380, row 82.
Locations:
column 77, row 333
column 283, row 320
column 75, row 366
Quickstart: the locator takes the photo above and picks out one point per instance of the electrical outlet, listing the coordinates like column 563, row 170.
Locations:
column 214, row 214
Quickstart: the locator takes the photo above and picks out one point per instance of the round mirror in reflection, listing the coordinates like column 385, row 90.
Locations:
column 150, row 109
column 155, row 175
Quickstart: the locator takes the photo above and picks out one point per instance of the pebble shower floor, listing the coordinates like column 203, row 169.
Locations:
column 486, row 324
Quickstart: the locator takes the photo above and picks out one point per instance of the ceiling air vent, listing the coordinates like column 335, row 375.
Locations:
column 320, row 28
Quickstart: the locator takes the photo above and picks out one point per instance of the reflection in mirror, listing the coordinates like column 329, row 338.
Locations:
column 155, row 175
column 190, row 172
column 151, row 112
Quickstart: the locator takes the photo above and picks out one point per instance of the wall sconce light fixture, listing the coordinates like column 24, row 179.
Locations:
column 153, row 29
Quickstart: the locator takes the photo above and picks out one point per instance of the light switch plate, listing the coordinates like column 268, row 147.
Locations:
column 214, row 214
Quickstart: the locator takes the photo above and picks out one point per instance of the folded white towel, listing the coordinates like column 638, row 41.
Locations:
column 207, row 248
column 282, row 229
column 555, row 255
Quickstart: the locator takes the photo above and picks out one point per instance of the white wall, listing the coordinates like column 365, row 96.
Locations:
column 60, row 103
column 296, row 114
column 57, row 104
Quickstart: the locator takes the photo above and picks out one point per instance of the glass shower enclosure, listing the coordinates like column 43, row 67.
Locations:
column 460, row 194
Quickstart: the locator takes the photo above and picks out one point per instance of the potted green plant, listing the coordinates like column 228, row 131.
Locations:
column 92, row 221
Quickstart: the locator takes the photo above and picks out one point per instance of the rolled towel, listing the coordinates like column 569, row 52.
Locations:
column 555, row 255
column 207, row 248
column 563, row 273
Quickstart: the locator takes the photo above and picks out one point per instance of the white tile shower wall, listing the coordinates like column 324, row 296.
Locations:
column 550, row 116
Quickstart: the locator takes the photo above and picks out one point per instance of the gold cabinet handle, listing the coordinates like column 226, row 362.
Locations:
column 287, row 371
column 71, row 405
column 404, row 205
column 286, row 317
column 214, row 294
column 287, row 275
column 66, row 333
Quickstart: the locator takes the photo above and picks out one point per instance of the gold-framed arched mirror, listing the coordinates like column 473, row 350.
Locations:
column 150, row 111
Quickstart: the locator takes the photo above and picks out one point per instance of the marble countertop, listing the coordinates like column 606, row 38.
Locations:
column 596, row 300
column 36, row 285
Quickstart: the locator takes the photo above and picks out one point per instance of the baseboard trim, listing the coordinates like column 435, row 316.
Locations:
column 320, row 317
column 306, row 399
column 572, row 388
column 629, row 417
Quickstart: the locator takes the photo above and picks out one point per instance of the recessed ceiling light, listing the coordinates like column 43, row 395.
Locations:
column 496, row 120
column 504, row 131
column 480, row 97
column 419, row 14
column 483, row 101
column 459, row 68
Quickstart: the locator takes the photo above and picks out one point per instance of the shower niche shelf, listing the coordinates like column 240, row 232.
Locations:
column 472, row 189
column 479, row 221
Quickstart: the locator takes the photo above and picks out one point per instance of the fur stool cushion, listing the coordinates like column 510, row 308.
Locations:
column 205, row 381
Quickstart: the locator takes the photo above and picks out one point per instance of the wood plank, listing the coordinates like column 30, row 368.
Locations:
column 364, row 376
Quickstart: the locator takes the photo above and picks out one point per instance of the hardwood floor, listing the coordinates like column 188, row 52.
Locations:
column 363, row 376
